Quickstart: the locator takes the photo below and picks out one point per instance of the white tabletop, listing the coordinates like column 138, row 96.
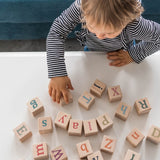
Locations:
column 24, row 76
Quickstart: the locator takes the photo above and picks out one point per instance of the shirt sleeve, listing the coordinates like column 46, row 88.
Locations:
column 148, row 33
column 59, row 31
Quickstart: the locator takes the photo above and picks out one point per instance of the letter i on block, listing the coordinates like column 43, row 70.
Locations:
column 35, row 106
column 154, row 135
column 58, row 153
column 22, row 132
column 135, row 137
column 114, row 93
column 95, row 156
column 86, row 100
column 131, row 155
column 142, row 106
column 84, row 149
column 40, row 151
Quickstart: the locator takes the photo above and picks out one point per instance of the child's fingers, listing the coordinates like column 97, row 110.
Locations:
column 115, row 63
column 69, row 85
column 50, row 91
column 58, row 96
column 54, row 94
column 112, row 53
column 112, row 57
column 65, row 96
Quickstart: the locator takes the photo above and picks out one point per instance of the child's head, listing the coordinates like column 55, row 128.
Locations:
column 107, row 18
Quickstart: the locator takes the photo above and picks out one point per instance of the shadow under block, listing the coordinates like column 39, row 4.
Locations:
column 142, row 106
column 104, row 122
column 35, row 106
column 90, row 127
column 84, row 149
column 86, row 100
column 154, row 134
column 75, row 127
column 131, row 155
column 45, row 125
column 70, row 100
column 135, row 137
column 40, row 151
column 58, row 153
column 123, row 111
column 62, row 120
column 108, row 144
column 95, row 156
column 98, row 88
column 114, row 93
column 22, row 132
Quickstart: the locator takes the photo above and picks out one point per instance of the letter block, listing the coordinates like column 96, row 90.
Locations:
column 90, row 127
column 123, row 111
column 104, row 122
column 75, row 127
column 114, row 93
column 62, row 120
column 86, row 100
column 22, row 132
column 58, row 154
column 40, row 151
column 70, row 100
column 95, row 156
column 45, row 125
column 98, row 88
column 142, row 106
column 154, row 134
column 108, row 144
column 35, row 106
column 84, row 149
column 135, row 137
column 131, row 155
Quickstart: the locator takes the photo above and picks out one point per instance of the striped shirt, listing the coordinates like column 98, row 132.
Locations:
column 145, row 31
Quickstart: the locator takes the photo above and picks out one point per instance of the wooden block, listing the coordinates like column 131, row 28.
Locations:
column 131, row 155
column 142, row 106
column 75, row 127
column 58, row 154
column 62, row 120
column 98, row 88
column 90, row 127
column 104, row 122
column 135, row 137
column 86, row 100
column 154, row 134
column 95, row 156
column 123, row 111
column 45, row 125
column 22, row 132
column 40, row 151
column 35, row 106
column 84, row 149
column 108, row 144
column 114, row 93
column 70, row 99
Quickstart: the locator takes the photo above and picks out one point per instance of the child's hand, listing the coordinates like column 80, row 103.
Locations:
column 58, row 87
column 119, row 58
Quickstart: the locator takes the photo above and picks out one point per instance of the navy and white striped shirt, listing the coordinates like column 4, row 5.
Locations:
column 145, row 31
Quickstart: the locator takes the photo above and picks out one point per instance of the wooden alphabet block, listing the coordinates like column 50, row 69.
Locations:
column 70, row 99
column 123, row 111
column 22, row 132
column 90, row 127
column 98, row 88
column 131, row 155
column 40, row 151
column 75, row 127
column 62, row 120
column 86, row 100
column 135, row 137
column 95, row 156
column 45, row 125
column 35, row 106
column 84, row 149
column 58, row 154
column 154, row 134
column 142, row 106
column 104, row 122
column 108, row 144
column 114, row 93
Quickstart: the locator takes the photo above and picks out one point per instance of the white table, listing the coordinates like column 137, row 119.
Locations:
column 24, row 76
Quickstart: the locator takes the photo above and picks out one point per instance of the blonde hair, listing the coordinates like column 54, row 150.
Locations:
column 113, row 13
